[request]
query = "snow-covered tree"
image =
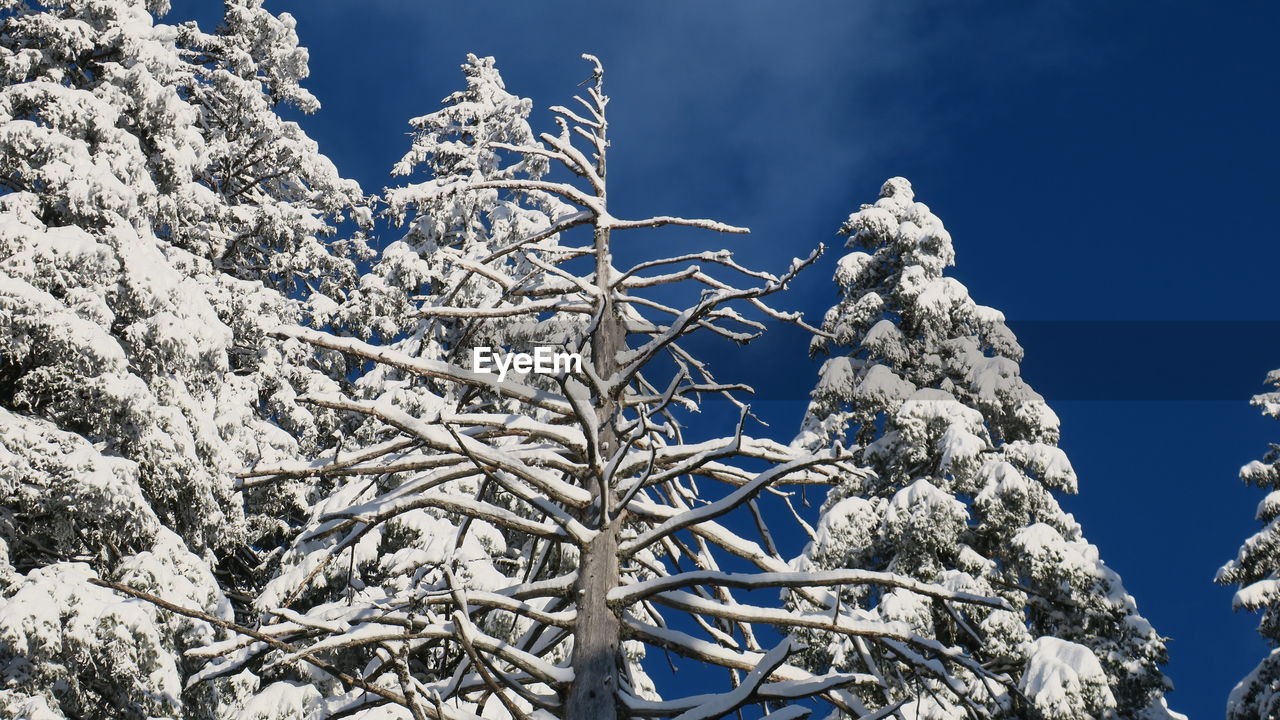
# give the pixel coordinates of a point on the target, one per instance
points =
(451, 236)
(924, 386)
(270, 197)
(265, 210)
(134, 373)
(546, 545)
(69, 648)
(1256, 569)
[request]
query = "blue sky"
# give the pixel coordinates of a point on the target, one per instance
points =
(1094, 161)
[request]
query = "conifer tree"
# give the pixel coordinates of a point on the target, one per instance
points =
(266, 212)
(924, 386)
(527, 558)
(269, 198)
(451, 237)
(1256, 570)
(134, 373)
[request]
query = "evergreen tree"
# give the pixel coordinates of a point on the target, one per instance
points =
(964, 459)
(266, 211)
(1256, 569)
(135, 376)
(451, 236)
(268, 198)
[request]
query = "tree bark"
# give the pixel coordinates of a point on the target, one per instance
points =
(598, 632)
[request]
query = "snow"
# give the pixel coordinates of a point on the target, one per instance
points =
(1065, 681)
(281, 701)
(921, 496)
(1257, 596)
(1253, 570)
(851, 266)
(1048, 463)
(1255, 695)
(27, 708)
(880, 386)
(55, 615)
(139, 375)
(849, 525)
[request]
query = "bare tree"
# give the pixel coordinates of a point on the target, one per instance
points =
(550, 547)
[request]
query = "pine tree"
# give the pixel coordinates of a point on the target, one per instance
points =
(540, 554)
(134, 373)
(925, 385)
(1256, 569)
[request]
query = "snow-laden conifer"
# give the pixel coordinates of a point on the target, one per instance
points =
(550, 549)
(1256, 569)
(265, 210)
(453, 238)
(134, 373)
(267, 196)
(924, 386)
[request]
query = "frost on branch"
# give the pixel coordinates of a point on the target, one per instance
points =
(923, 386)
(541, 546)
(1256, 570)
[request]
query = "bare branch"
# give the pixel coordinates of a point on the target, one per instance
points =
(346, 679)
(653, 222)
(629, 594)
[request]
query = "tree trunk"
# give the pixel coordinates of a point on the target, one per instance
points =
(597, 633)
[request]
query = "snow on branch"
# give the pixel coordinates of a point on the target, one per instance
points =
(629, 594)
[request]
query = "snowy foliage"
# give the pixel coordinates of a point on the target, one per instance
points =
(64, 643)
(454, 238)
(1256, 569)
(266, 197)
(459, 248)
(1064, 680)
(156, 211)
(965, 463)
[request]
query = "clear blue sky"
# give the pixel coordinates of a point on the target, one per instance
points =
(1094, 161)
